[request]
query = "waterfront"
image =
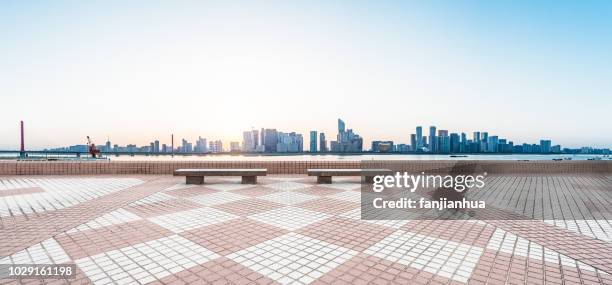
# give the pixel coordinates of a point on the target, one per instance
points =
(310, 157)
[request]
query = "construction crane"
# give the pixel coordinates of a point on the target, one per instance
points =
(93, 150)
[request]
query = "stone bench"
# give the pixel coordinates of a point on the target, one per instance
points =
(196, 176)
(324, 176)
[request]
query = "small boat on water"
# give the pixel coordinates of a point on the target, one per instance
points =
(558, 159)
(455, 155)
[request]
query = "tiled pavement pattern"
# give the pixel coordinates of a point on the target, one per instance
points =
(285, 229)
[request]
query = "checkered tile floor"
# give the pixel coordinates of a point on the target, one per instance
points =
(284, 230)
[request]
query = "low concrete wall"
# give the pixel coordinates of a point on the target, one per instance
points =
(299, 167)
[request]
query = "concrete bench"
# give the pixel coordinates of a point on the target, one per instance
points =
(324, 176)
(196, 176)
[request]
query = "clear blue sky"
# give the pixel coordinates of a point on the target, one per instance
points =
(140, 70)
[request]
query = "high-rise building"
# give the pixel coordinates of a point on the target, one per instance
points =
(545, 146)
(234, 146)
(413, 142)
(432, 139)
(215, 146)
(255, 139)
(476, 137)
(313, 141)
(382, 146)
(419, 138)
(186, 146)
(455, 143)
(156, 146)
(271, 139)
(492, 143)
(443, 142)
(347, 140)
(251, 141)
(290, 142)
(262, 138)
(201, 145)
(151, 147)
(248, 142)
(322, 143)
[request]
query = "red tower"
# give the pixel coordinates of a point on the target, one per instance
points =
(22, 149)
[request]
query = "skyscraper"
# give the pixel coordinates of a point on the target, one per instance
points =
(545, 146)
(419, 138)
(432, 139)
(271, 139)
(234, 146)
(455, 143)
(492, 142)
(413, 142)
(289, 142)
(347, 140)
(443, 142)
(313, 141)
(248, 142)
(322, 143)
(476, 137)
(200, 146)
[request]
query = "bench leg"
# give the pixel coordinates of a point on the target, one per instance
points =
(324, 179)
(195, 180)
(249, 179)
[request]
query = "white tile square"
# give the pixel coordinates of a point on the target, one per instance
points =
(349, 196)
(287, 267)
(47, 252)
(191, 219)
(288, 186)
(347, 186)
(288, 198)
(427, 253)
(228, 186)
(217, 198)
(289, 218)
(151, 199)
(355, 214)
(116, 217)
(164, 257)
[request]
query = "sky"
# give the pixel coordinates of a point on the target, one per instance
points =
(136, 71)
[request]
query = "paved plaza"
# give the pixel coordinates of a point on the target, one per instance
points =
(155, 229)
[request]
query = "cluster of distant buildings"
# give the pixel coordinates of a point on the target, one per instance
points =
(265, 140)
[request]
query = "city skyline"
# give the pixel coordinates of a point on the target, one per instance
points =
(306, 137)
(271, 140)
(140, 70)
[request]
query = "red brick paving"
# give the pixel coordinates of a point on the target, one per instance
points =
(347, 233)
(190, 192)
(366, 269)
(23, 234)
(217, 271)
(256, 191)
(162, 207)
(329, 206)
(463, 231)
(248, 207)
(231, 236)
(94, 241)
